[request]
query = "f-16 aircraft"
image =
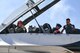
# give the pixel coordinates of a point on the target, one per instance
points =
(14, 39)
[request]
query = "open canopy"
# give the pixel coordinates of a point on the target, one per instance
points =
(22, 11)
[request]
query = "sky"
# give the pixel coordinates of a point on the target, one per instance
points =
(56, 14)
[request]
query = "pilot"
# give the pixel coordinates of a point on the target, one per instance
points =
(20, 27)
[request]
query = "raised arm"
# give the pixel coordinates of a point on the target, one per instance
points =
(62, 30)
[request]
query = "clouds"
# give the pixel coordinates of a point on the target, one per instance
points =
(65, 9)
(60, 12)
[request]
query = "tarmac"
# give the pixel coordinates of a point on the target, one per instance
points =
(34, 49)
